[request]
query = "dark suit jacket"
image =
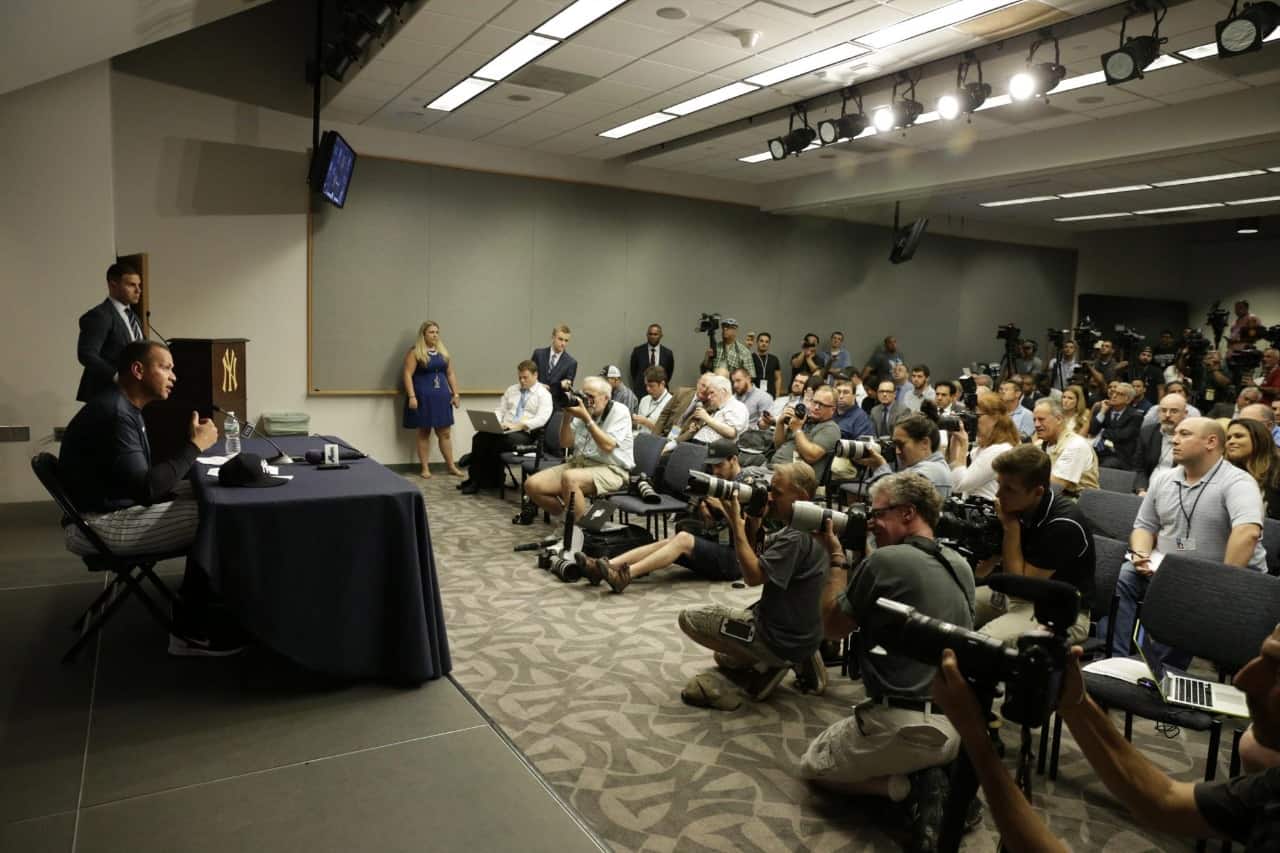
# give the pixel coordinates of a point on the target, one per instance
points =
(640, 363)
(103, 336)
(896, 411)
(1150, 440)
(680, 400)
(1123, 434)
(566, 368)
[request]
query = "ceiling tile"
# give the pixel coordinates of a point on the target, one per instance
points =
(490, 40)
(365, 87)
(474, 10)
(570, 56)
(1125, 109)
(407, 51)
(624, 37)
(579, 107)
(346, 116)
(701, 13)
(1186, 76)
(461, 125)
(1212, 90)
(617, 94)
(653, 75)
(525, 15)
(386, 71)
(430, 27)
(696, 55)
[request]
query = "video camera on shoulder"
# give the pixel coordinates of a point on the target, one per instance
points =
(970, 527)
(752, 496)
(850, 526)
(1032, 673)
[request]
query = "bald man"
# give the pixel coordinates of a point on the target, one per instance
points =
(1265, 415)
(1155, 443)
(1204, 507)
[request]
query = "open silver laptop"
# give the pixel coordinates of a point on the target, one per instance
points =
(1194, 692)
(485, 421)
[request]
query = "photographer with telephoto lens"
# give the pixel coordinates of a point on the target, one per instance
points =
(916, 441)
(808, 432)
(706, 557)
(782, 630)
(1242, 808)
(894, 744)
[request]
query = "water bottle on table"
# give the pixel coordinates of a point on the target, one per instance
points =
(231, 432)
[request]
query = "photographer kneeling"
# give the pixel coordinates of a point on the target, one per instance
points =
(783, 629)
(894, 745)
(706, 557)
(601, 452)
(1242, 808)
(1044, 537)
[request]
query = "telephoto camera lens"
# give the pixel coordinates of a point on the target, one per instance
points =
(809, 517)
(644, 490)
(856, 448)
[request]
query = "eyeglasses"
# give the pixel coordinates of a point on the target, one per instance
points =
(816, 405)
(876, 513)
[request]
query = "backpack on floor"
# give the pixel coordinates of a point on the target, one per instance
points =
(614, 539)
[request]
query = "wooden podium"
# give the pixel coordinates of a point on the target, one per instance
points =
(211, 371)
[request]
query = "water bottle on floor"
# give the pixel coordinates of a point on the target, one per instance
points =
(231, 431)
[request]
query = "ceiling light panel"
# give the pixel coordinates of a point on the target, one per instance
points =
(515, 57)
(1179, 209)
(1260, 200)
(1204, 179)
(805, 64)
(1090, 217)
(577, 16)
(1011, 201)
(644, 123)
(1202, 51)
(710, 99)
(459, 94)
(756, 158)
(946, 16)
(1106, 191)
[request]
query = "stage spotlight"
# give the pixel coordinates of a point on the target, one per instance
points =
(337, 61)
(968, 96)
(1244, 32)
(1134, 54)
(794, 142)
(1040, 78)
(847, 126)
(899, 113)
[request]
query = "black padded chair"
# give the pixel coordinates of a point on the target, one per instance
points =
(687, 456)
(548, 454)
(647, 451)
(1108, 558)
(1271, 542)
(1111, 514)
(1234, 611)
(1116, 480)
(127, 571)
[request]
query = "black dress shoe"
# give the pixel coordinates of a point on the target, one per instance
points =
(463, 484)
(465, 460)
(528, 512)
(470, 488)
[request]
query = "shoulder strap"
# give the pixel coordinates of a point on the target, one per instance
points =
(933, 549)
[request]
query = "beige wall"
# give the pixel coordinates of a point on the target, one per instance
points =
(56, 241)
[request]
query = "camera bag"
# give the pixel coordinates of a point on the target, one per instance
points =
(614, 539)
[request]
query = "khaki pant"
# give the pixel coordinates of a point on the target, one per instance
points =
(702, 624)
(1015, 617)
(879, 741)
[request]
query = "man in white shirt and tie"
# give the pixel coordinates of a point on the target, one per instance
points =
(106, 328)
(525, 407)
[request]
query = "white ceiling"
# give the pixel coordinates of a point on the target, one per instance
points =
(41, 39)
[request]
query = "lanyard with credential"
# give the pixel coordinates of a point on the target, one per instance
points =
(1204, 486)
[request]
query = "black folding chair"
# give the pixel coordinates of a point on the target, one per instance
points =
(1116, 480)
(648, 458)
(1111, 514)
(1234, 609)
(127, 571)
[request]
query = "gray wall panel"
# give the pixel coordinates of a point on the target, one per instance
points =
(499, 260)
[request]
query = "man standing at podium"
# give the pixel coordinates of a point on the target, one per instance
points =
(106, 328)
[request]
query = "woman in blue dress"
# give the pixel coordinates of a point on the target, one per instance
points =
(433, 395)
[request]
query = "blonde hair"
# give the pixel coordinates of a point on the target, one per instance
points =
(420, 346)
(1003, 430)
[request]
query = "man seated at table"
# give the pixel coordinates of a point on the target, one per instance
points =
(524, 407)
(135, 504)
(599, 431)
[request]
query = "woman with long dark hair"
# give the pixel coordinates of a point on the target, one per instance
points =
(1250, 447)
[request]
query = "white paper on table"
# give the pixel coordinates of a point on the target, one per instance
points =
(1128, 670)
(212, 460)
(273, 470)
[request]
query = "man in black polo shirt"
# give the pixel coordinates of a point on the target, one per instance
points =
(136, 504)
(1045, 536)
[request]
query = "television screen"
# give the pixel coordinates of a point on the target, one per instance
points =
(331, 168)
(905, 241)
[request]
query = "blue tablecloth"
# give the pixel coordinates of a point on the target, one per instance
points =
(333, 570)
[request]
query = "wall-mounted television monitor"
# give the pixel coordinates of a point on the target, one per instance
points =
(331, 167)
(906, 239)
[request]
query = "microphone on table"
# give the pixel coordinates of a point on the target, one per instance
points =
(247, 431)
(152, 328)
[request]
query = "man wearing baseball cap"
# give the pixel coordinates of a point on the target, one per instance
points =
(621, 393)
(730, 353)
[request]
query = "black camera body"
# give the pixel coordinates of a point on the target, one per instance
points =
(1008, 332)
(1032, 673)
(1087, 335)
(971, 527)
(953, 423)
(708, 323)
(753, 496)
(1057, 337)
(642, 488)
(1126, 337)
(1196, 342)
(564, 394)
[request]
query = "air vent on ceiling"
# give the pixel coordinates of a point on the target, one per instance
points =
(551, 79)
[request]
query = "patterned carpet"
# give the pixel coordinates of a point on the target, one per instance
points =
(587, 684)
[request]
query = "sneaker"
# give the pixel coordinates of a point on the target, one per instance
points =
(926, 806)
(527, 514)
(203, 647)
(463, 484)
(765, 682)
(469, 487)
(811, 674)
(590, 568)
(618, 577)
